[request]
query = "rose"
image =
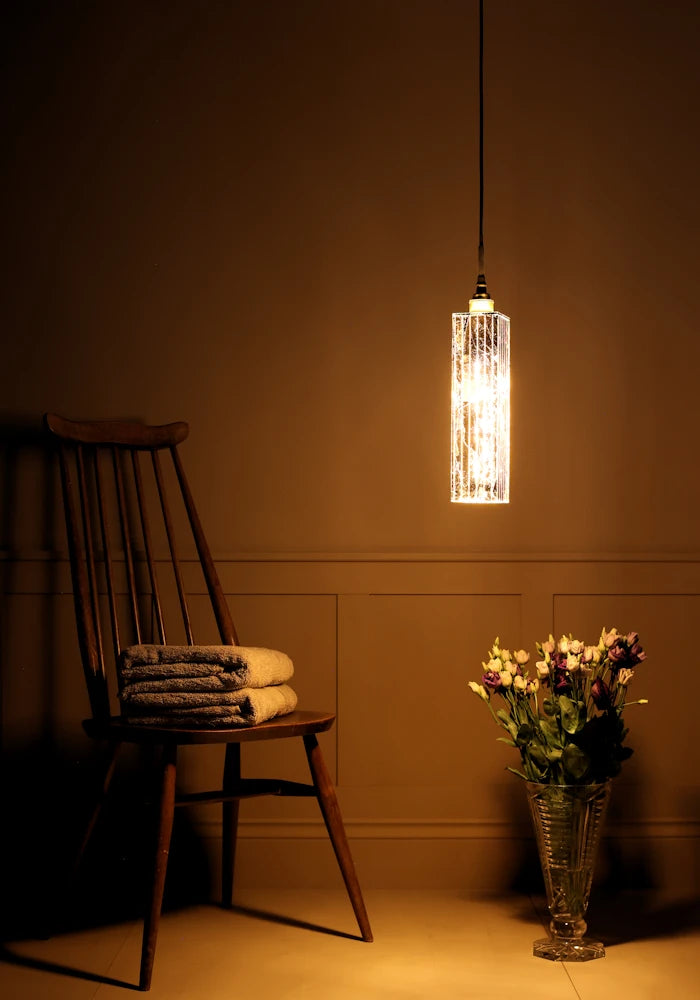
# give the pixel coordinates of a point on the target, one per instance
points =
(542, 669)
(548, 646)
(492, 680)
(562, 683)
(636, 654)
(609, 638)
(617, 654)
(563, 645)
(572, 664)
(591, 654)
(576, 646)
(600, 693)
(559, 661)
(519, 683)
(479, 690)
(522, 657)
(506, 678)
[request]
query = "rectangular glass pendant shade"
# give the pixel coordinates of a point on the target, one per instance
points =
(480, 407)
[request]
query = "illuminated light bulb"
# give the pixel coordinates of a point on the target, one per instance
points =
(480, 465)
(480, 305)
(480, 448)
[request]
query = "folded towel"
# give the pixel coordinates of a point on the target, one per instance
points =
(177, 700)
(251, 707)
(166, 671)
(244, 666)
(213, 682)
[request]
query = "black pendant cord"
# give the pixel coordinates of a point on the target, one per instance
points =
(481, 291)
(481, 136)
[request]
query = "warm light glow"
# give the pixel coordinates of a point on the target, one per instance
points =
(480, 305)
(480, 406)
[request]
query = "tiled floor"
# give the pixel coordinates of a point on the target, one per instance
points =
(429, 945)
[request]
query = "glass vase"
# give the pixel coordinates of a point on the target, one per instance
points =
(568, 820)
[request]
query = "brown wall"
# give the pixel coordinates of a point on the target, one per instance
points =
(259, 217)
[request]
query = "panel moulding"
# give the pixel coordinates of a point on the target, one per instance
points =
(378, 829)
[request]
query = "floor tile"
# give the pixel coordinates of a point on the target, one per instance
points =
(429, 945)
(69, 966)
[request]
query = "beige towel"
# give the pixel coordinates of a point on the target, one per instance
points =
(238, 666)
(250, 707)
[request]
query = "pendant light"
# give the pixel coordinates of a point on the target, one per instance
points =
(480, 465)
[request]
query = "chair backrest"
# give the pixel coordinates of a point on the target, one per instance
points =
(128, 508)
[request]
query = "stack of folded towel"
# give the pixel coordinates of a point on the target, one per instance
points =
(204, 686)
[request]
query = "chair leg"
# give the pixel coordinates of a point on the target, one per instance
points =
(107, 774)
(64, 885)
(160, 863)
(330, 810)
(232, 774)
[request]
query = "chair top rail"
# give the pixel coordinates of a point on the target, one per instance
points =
(119, 433)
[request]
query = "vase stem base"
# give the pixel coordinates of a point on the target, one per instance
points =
(568, 949)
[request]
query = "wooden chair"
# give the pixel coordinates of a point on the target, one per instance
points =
(114, 474)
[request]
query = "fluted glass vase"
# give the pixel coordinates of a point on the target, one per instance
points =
(568, 820)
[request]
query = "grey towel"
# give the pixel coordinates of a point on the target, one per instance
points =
(177, 701)
(243, 666)
(250, 707)
(212, 682)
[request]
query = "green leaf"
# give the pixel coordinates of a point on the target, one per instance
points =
(572, 719)
(502, 739)
(539, 755)
(549, 706)
(575, 761)
(524, 735)
(519, 773)
(507, 722)
(550, 730)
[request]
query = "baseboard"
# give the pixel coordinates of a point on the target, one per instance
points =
(472, 857)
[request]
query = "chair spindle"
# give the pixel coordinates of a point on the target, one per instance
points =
(126, 542)
(222, 614)
(146, 531)
(108, 561)
(100, 677)
(170, 531)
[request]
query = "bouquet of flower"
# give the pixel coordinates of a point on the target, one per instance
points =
(566, 720)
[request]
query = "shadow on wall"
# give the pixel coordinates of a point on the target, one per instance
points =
(50, 771)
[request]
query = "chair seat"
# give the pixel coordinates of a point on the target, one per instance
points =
(298, 723)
